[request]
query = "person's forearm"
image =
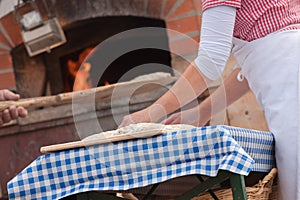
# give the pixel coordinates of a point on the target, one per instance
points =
(214, 49)
(188, 87)
(215, 40)
(230, 91)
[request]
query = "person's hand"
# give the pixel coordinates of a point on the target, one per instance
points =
(134, 118)
(150, 114)
(12, 112)
(191, 116)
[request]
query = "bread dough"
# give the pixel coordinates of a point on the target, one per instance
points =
(139, 128)
(178, 127)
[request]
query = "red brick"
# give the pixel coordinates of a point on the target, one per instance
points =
(4, 41)
(198, 5)
(184, 46)
(154, 8)
(196, 38)
(169, 5)
(5, 61)
(184, 25)
(175, 35)
(12, 29)
(7, 80)
(185, 7)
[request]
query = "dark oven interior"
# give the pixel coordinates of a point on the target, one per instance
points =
(55, 72)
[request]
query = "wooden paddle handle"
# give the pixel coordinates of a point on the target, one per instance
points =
(60, 147)
(31, 102)
(115, 138)
(54, 100)
(59, 99)
(84, 95)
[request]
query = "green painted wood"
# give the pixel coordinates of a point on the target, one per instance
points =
(151, 191)
(237, 182)
(96, 196)
(212, 194)
(238, 187)
(204, 186)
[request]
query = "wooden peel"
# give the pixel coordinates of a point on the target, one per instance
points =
(111, 91)
(36, 102)
(29, 102)
(54, 100)
(116, 138)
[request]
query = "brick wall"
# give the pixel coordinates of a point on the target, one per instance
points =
(182, 16)
(7, 79)
(10, 36)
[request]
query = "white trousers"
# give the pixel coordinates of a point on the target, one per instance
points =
(271, 66)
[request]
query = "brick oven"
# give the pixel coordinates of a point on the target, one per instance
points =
(178, 15)
(175, 27)
(86, 23)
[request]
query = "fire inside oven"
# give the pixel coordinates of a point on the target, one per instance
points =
(93, 32)
(54, 72)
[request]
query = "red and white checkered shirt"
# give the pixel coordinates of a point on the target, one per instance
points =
(257, 18)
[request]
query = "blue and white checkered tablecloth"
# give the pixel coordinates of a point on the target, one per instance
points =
(140, 162)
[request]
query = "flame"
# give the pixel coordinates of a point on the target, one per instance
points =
(83, 80)
(81, 71)
(106, 83)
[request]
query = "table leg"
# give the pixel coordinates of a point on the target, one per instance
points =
(212, 194)
(96, 196)
(149, 193)
(238, 187)
(236, 180)
(202, 187)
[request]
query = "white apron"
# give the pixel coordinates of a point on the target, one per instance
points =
(271, 66)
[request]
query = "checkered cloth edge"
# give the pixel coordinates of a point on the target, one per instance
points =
(260, 145)
(256, 19)
(136, 163)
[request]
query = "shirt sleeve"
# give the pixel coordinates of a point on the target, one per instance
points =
(215, 40)
(212, 3)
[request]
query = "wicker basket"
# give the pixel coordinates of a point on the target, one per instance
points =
(274, 193)
(260, 191)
